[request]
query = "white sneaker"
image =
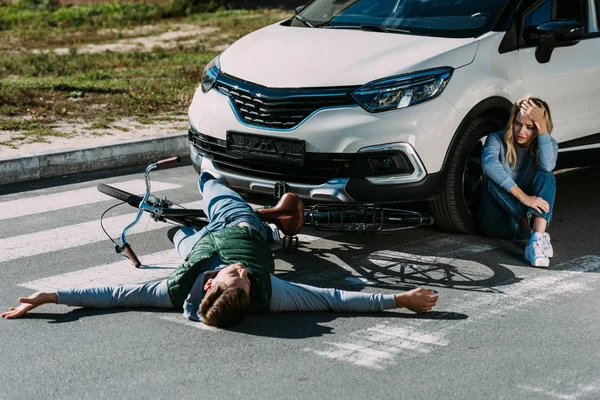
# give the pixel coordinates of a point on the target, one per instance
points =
(275, 230)
(534, 253)
(546, 245)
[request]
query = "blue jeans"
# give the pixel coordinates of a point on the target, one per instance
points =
(224, 208)
(500, 212)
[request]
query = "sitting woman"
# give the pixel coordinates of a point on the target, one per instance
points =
(518, 188)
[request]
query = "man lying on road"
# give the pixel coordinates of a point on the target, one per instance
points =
(227, 273)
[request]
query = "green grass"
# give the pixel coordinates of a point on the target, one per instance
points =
(38, 88)
(49, 14)
(30, 131)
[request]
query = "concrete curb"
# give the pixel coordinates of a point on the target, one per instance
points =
(131, 153)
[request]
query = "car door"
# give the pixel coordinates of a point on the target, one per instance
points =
(570, 81)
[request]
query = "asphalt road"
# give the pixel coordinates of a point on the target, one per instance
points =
(501, 330)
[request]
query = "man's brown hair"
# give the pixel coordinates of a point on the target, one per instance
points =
(224, 307)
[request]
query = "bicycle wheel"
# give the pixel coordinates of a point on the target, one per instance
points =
(184, 216)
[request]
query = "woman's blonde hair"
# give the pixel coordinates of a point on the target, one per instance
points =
(509, 136)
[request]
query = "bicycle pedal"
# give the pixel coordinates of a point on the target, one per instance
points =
(290, 243)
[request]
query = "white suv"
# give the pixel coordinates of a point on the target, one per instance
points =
(387, 101)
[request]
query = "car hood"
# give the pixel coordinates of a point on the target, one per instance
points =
(281, 56)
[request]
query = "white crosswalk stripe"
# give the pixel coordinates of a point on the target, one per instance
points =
(78, 197)
(74, 235)
(155, 266)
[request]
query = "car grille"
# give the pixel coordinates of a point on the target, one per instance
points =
(279, 108)
(318, 167)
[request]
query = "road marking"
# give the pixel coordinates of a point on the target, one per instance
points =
(359, 281)
(75, 235)
(561, 388)
(378, 346)
(156, 266)
(72, 198)
(382, 346)
(582, 264)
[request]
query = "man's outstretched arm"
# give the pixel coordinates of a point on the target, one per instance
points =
(29, 303)
(153, 295)
(290, 296)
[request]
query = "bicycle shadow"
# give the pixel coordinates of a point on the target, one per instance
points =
(396, 263)
(389, 263)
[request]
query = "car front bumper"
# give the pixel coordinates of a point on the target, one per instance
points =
(339, 190)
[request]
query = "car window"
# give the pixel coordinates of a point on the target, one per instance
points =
(538, 15)
(572, 10)
(445, 18)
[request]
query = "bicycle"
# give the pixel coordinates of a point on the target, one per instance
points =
(289, 214)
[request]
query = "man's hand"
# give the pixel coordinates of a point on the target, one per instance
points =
(417, 300)
(537, 203)
(536, 114)
(29, 303)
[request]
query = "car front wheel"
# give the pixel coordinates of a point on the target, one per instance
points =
(457, 207)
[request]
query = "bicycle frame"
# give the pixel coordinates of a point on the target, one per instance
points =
(343, 218)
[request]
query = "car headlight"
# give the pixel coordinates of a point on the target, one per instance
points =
(402, 91)
(209, 75)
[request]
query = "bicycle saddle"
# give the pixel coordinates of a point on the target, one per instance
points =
(287, 214)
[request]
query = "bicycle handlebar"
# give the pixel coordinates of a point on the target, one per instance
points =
(168, 161)
(131, 255)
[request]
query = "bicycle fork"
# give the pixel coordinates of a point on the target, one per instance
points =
(125, 247)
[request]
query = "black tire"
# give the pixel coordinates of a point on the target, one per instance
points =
(131, 199)
(457, 208)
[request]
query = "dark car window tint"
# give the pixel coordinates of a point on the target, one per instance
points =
(571, 9)
(446, 18)
(540, 15)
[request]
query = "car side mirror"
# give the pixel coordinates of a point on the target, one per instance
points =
(299, 9)
(559, 33)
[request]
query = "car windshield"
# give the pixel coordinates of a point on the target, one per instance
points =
(445, 18)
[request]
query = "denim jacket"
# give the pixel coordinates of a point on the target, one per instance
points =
(495, 166)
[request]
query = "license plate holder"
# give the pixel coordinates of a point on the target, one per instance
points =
(273, 149)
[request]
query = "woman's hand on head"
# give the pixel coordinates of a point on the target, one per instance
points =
(417, 300)
(536, 114)
(537, 203)
(29, 303)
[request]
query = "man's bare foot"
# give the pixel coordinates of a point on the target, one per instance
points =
(29, 303)
(417, 300)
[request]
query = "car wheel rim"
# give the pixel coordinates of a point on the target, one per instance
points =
(471, 179)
